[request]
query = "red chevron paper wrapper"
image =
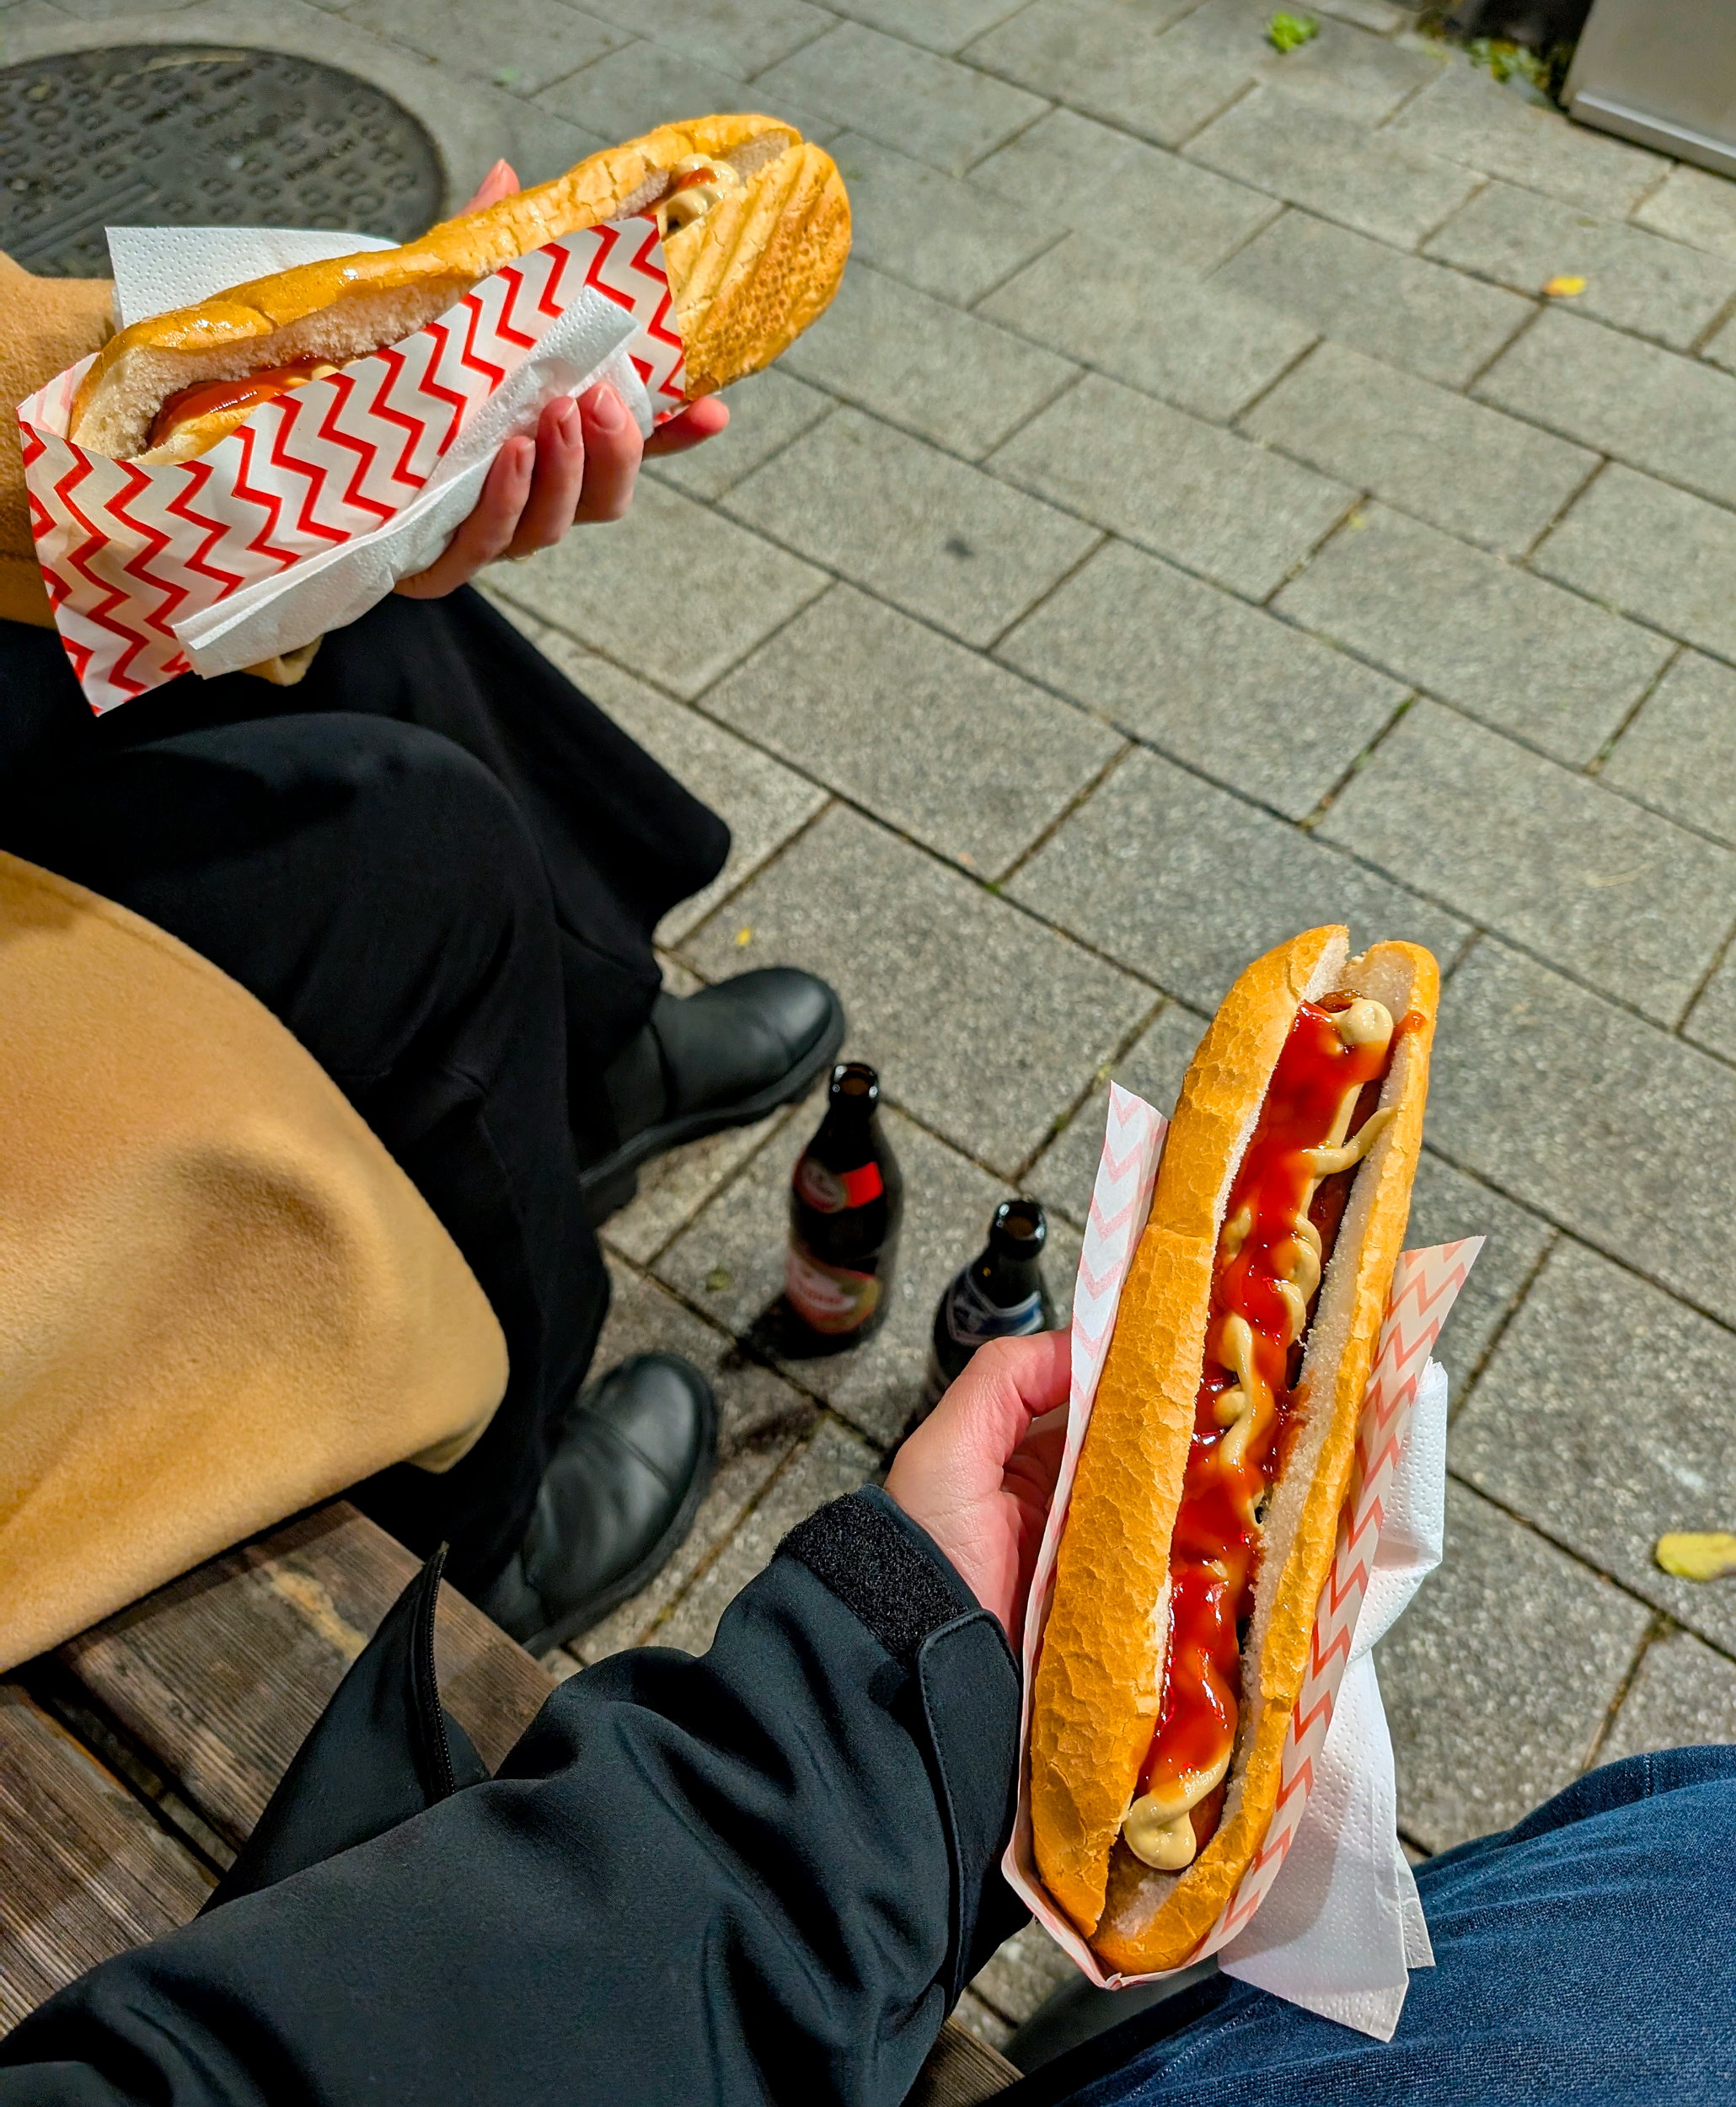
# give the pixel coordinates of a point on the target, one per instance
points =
(310, 512)
(1318, 1954)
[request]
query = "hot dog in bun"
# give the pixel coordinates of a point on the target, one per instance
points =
(756, 228)
(1219, 1453)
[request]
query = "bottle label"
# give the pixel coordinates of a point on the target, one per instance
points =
(832, 1299)
(830, 1191)
(972, 1319)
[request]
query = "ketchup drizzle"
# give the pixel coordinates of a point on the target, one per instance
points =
(1214, 1550)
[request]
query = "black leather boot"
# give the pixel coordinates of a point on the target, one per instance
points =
(722, 1057)
(617, 1500)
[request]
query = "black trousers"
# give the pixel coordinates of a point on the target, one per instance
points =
(440, 865)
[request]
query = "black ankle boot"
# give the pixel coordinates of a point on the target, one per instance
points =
(722, 1057)
(617, 1500)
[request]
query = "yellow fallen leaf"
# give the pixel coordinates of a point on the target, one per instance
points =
(1697, 1554)
(743, 938)
(719, 1279)
(1564, 288)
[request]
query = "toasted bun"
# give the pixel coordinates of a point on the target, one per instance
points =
(1100, 1673)
(747, 277)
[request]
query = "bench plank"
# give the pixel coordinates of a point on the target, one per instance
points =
(960, 2071)
(85, 1871)
(220, 1674)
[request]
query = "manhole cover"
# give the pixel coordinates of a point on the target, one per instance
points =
(196, 135)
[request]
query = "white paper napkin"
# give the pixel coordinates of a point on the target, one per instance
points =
(1343, 1924)
(157, 268)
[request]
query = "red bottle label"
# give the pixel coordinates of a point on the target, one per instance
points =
(832, 1299)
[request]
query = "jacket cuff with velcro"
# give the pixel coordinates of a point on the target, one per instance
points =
(894, 1578)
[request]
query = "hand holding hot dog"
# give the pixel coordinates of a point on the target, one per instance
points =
(979, 1472)
(578, 471)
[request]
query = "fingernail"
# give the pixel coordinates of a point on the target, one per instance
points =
(608, 411)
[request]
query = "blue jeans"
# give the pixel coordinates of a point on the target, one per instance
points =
(1587, 1956)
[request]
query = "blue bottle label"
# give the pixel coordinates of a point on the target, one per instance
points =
(972, 1318)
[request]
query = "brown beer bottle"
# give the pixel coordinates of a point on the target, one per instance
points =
(846, 1202)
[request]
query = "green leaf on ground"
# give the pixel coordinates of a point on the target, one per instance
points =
(1288, 32)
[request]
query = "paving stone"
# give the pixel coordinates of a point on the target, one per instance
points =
(1152, 1068)
(982, 1022)
(1187, 884)
(939, 538)
(1604, 1417)
(1029, 1967)
(760, 1419)
(1214, 501)
(766, 412)
(1694, 206)
(1100, 180)
(1112, 59)
(836, 1461)
(740, 36)
(1682, 1697)
(764, 803)
(1446, 1205)
(943, 25)
(1247, 698)
(918, 361)
(1602, 887)
(1375, 182)
(1636, 279)
(1422, 316)
(1343, 68)
(639, 87)
(868, 700)
(1196, 345)
(1503, 645)
(1589, 1115)
(983, 2021)
(1380, 16)
(610, 588)
(954, 240)
(1651, 409)
(1467, 118)
(1370, 424)
(1679, 752)
(730, 1263)
(522, 45)
(1497, 1677)
(1711, 1022)
(672, 1188)
(925, 106)
(1720, 348)
(1653, 551)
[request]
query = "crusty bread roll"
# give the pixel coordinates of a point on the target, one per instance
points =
(748, 274)
(1101, 1672)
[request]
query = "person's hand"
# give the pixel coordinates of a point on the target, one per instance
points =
(579, 470)
(979, 1472)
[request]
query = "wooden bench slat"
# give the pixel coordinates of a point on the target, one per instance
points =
(220, 1674)
(85, 1871)
(960, 2071)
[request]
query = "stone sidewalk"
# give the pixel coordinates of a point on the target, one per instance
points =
(1191, 523)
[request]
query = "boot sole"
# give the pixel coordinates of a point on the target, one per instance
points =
(599, 1186)
(576, 1622)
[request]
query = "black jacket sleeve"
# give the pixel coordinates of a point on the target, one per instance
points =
(761, 1876)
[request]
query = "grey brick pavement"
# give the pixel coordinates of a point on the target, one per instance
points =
(1055, 627)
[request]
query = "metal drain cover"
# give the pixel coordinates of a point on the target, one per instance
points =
(195, 135)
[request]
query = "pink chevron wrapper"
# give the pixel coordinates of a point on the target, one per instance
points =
(133, 554)
(1424, 1287)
